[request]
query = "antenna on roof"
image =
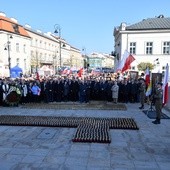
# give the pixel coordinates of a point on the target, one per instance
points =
(161, 16)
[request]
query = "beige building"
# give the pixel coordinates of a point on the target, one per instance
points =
(76, 59)
(44, 52)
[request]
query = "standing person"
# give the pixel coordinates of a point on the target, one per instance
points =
(126, 91)
(142, 90)
(24, 92)
(5, 89)
(82, 91)
(158, 96)
(115, 91)
(1, 93)
(35, 92)
(133, 91)
(65, 90)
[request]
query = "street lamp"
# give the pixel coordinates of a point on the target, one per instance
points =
(57, 30)
(8, 48)
(86, 59)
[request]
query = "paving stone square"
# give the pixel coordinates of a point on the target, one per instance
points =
(51, 148)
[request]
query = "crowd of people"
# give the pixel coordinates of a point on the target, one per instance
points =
(64, 89)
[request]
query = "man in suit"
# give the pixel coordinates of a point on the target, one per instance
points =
(1, 93)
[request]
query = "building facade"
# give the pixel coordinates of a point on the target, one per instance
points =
(147, 41)
(33, 51)
(100, 60)
(43, 51)
(14, 46)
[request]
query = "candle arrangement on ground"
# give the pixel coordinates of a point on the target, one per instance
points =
(98, 105)
(89, 129)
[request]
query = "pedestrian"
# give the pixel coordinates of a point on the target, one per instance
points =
(158, 96)
(115, 91)
(35, 92)
(142, 90)
(1, 92)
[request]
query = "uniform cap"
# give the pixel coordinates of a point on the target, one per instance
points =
(159, 83)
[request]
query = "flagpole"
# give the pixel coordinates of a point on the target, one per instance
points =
(165, 85)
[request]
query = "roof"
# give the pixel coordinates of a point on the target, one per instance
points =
(7, 24)
(151, 24)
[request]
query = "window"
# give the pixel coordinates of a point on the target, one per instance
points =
(17, 47)
(25, 64)
(40, 44)
(17, 61)
(24, 48)
(16, 28)
(45, 57)
(36, 43)
(166, 48)
(132, 48)
(149, 48)
(41, 56)
(31, 42)
(133, 68)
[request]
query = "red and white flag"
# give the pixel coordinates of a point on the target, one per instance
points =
(126, 61)
(165, 85)
(37, 76)
(147, 76)
(65, 71)
(80, 72)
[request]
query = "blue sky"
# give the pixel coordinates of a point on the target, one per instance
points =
(85, 24)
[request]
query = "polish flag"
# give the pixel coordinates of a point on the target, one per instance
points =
(165, 85)
(147, 77)
(149, 89)
(126, 61)
(37, 76)
(80, 72)
(65, 71)
(69, 71)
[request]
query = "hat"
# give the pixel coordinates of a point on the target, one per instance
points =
(159, 83)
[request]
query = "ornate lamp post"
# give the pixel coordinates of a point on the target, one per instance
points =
(86, 64)
(8, 48)
(58, 31)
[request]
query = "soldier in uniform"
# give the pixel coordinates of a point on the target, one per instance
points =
(158, 96)
(142, 89)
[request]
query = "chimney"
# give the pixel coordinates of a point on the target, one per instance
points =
(14, 20)
(2, 14)
(123, 26)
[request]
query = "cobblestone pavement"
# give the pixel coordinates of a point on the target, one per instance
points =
(51, 148)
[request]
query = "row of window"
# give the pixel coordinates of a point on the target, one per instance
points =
(45, 45)
(18, 47)
(149, 48)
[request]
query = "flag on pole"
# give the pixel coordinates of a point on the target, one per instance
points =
(147, 77)
(80, 72)
(126, 61)
(37, 76)
(149, 89)
(165, 85)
